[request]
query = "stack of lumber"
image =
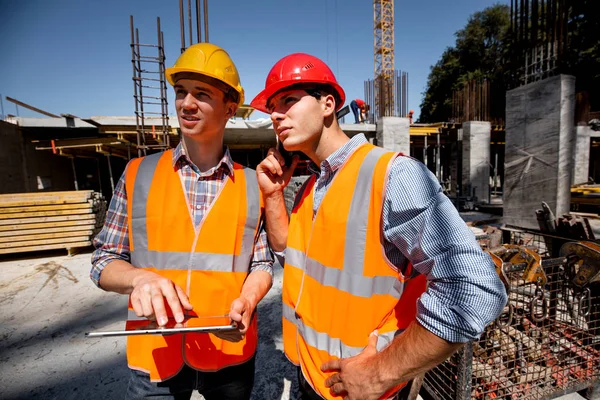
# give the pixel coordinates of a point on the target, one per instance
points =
(50, 220)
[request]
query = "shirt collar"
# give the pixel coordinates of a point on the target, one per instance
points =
(179, 155)
(338, 157)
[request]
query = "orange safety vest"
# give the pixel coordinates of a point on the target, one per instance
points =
(338, 285)
(210, 262)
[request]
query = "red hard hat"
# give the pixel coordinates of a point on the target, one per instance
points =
(294, 69)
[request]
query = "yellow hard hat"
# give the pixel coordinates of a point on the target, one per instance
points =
(210, 60)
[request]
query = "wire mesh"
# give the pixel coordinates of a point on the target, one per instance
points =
(545, 344)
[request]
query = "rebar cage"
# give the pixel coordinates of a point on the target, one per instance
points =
(545, 344)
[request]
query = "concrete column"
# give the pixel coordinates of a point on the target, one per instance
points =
(581, 155)
(540, 138)
(393, 133)
(476, 159)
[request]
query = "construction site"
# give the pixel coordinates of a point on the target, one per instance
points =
(525, 180)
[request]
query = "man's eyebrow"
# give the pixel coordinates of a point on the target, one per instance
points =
(204, 89)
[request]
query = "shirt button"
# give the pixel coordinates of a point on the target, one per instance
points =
(198, 207)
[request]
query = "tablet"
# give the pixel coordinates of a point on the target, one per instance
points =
(150, 327)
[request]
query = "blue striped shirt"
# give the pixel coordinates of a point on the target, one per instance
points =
(422, 226)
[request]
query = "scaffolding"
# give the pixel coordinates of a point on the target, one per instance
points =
(149, 93)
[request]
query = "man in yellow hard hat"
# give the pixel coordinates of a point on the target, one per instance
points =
(183, 238)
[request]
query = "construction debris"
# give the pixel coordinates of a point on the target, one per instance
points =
(547, 341)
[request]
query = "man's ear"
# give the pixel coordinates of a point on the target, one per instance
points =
(231, 109)
(328, 105)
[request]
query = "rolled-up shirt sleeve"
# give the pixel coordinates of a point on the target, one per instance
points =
(262, 259)
(464, 294)
(112, 242)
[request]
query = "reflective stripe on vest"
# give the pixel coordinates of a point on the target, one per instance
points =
(333, 346)
(358, 285)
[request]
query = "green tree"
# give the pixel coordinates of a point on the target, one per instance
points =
(583, 57)
(478, 53)
(482, 51)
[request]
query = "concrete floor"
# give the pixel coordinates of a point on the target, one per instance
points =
(47, 303)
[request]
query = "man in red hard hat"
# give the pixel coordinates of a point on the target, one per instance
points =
(382, 279)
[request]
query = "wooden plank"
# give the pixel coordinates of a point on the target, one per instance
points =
(59, 193)
(36, 200)
(51, 224)
(31, 199)
(45, 247)
(40, 202)
(34, 243)
(12, 216)
(43, 219)
(7, 210)
(71, 228)
(39, 237)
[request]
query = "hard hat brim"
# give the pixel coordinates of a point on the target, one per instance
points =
(260, 101)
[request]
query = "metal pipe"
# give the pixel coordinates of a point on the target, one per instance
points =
(136, 81)
(198, 31)
(437, 158)
(206, 21)
(425, 150)
(110, 174)
(142, 138)
(74, 173)
(181, 26)
(190, 21)
(100, 173)
(495, 173)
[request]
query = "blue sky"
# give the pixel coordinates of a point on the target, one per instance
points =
(73, 56)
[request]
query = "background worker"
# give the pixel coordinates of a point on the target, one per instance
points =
(172, 242)
(358, 109)
(382, 279)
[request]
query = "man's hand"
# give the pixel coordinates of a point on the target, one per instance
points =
(150, 291)
(241, 314)
(272, 173)
(356, 377)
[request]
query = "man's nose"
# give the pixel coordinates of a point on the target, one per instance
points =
(188, 102)
(277, 116)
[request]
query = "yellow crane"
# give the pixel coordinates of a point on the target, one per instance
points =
(383, 24)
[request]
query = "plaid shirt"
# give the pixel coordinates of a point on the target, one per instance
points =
(422, 226)
(112, 243)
